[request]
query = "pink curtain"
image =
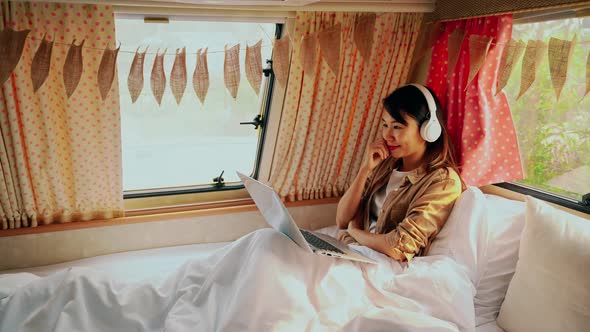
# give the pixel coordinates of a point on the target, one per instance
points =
(480, 123)
(60, 155)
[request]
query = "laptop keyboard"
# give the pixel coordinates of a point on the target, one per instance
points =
(319, 243)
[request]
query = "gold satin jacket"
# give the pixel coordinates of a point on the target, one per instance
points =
(413, 214)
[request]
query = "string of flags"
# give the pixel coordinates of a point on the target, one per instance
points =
(13, 44)
(324, 43)
(559, 54)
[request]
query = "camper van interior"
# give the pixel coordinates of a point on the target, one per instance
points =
(446, 141)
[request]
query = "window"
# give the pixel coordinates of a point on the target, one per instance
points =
(554, 135)
(174, 146)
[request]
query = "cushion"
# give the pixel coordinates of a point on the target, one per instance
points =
(505, 223)
(464, 235)
(550, 290)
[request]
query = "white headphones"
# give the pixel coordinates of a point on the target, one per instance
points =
(430, 129)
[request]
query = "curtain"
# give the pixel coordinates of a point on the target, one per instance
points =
(480, 123)
(60, 156)
(333, 103)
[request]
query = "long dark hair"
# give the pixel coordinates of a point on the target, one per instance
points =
(409, 100)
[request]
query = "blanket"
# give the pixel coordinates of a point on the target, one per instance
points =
(260, 282)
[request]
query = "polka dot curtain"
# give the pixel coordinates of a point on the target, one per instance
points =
(330, 117)
(480, 123)
(60, 157)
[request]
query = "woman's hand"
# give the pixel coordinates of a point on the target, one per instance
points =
(352, 229)
(376, 153)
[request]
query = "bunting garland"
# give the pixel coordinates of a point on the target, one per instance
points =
(135, 78)
(330, 47)
(324, 43)
(455, 41)
(41, 63)
(158, 78)
(559, 53)
(178, 75)
(11, 48)
(201, 76)
(532, 58)
(281, 58)
(363, 34)
(309, 53)
(106, 71)
(512, 52)
(73, 68)
(478, 50)
(231, 70)
(254, 66)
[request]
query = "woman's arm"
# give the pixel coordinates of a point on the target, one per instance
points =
(349, 203)
(376, 242)
(424, 218)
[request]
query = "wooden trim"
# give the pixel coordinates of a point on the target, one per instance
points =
(160, 214)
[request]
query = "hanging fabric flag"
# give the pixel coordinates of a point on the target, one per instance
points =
(201, 76)
(158, 79)
(41, 64)
(106, 71)
(11, 49)
(178, 77)
(560, 53)
(281, 58)
(454, 47)
(432, 31)
(308, 55)
(73, 68)
(531, 61)
(364, 28)
(231, 69)
(587, 75)
(510, 56)
(478, 50)
(135, 78)
(254, 66)
(330, 47)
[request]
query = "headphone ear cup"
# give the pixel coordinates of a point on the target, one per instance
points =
(430, 130)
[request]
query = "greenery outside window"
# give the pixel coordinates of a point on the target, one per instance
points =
(554, 135)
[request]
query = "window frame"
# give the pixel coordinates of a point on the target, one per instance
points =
(233, 193)
(584, 204)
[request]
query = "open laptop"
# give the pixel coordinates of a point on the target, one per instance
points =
(277, 216)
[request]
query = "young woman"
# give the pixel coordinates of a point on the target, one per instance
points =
(408, 182)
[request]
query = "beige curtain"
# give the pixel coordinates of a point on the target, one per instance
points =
(329, 118)
(60, 157)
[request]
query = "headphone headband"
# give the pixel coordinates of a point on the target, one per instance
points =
(429, 99)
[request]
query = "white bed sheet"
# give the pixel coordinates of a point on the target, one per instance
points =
(489, 327)
(132, 266)
(164, 288)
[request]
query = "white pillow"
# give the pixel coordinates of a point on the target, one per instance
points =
(550, 290)
(505, 224)
(464, 235)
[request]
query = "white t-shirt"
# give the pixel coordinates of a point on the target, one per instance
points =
(395, 181)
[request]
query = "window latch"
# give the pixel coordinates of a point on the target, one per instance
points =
(586, 200)
(219, 181)
(257, 122)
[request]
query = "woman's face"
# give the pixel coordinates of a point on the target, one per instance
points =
(403, 141)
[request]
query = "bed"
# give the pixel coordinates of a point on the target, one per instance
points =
(460, 286)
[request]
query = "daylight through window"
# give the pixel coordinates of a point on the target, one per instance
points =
(190, 143)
